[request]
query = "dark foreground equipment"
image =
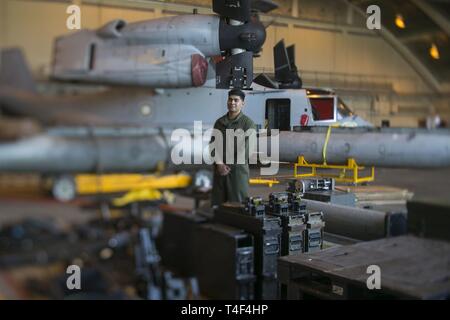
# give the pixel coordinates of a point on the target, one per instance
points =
(177, 245)
(429, 219)
(224, 262)
(291, 210)
(357, 223)
(348, 272)
(266, 231)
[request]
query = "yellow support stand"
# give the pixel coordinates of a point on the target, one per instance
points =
(269, 182)
(137, 187)
(111, 183)
(143, 195)
(351, 167)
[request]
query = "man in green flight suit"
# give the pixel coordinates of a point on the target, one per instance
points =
(231, 179)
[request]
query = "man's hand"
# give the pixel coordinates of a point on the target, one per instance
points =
(223, 169)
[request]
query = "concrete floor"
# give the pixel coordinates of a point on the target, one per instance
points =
(426, 184)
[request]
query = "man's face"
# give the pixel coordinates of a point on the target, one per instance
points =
(235, 104)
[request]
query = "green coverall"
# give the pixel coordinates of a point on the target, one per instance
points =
(234, 186)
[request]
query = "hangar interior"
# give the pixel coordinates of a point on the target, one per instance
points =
(383, 75)
(395, 78)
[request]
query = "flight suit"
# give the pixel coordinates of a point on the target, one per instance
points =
(234, 186)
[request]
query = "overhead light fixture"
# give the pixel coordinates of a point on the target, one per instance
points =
(434, 51)
(399, 22)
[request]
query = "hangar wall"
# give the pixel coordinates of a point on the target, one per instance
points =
(373, 79)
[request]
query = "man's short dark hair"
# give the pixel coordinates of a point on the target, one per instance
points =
(237, 92)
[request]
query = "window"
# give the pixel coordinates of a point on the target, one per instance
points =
(278, 114)
(343, 110)
(322, 108)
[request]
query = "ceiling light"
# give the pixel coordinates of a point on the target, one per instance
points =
(434, 51)
(399, 22)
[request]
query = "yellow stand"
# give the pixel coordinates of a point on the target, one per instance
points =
(144, 195)
(351, 167)
(342, 176)
(111, 183)
(137, 187)
(269, 182)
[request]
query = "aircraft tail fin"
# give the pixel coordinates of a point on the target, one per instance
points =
(285, 69)
(14, 71)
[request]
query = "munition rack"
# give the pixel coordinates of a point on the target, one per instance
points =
(348, 173)
(351, 167)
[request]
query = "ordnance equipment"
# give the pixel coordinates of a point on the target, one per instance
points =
(296, 205)
(314, 231)
(265, 230)
(278, 203)
(224, 262)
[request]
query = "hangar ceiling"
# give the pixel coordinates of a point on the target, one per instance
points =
(418, 29)
(422, 27)
(422, 37)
